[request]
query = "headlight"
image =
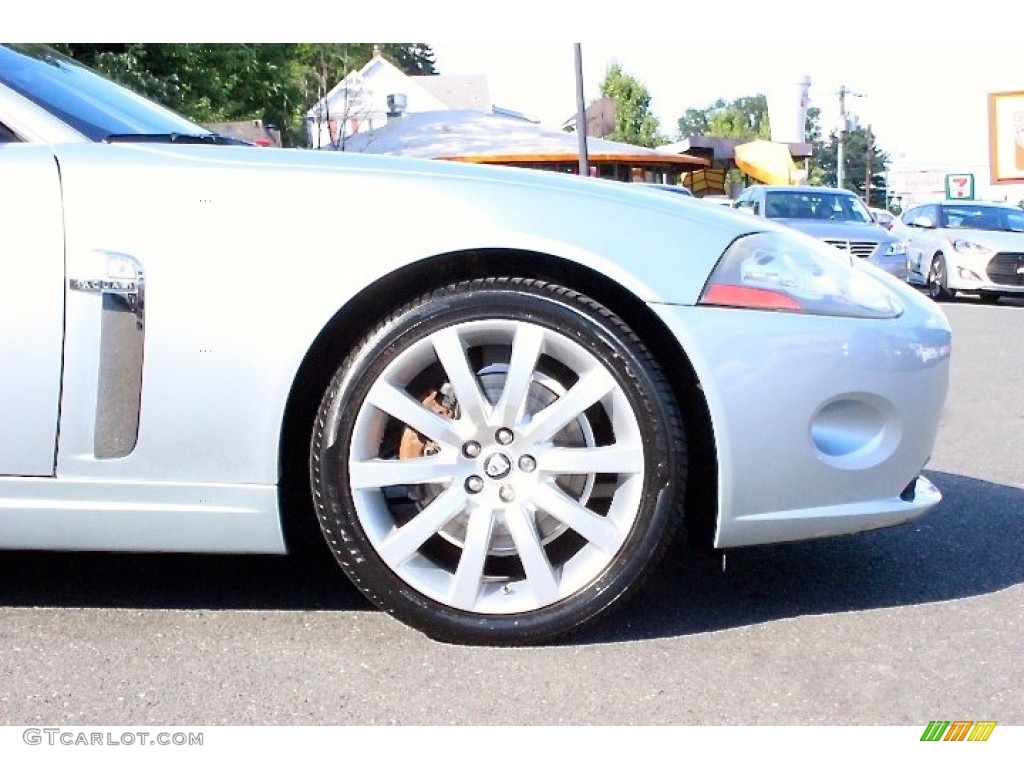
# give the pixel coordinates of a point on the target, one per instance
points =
(770, 270)
(971, 249)
(897, 248)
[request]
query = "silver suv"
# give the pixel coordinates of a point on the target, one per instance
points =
(836, 216)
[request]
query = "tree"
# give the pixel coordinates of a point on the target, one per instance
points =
(855, 164)
(742, 118)
(812, 132)
(634, 123)
(697, 122)
(213, 82)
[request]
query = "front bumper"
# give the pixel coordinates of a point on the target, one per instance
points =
(820, 423)
(895, 265)
(996, 274)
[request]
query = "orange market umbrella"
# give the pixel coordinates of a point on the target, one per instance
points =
(766, 161)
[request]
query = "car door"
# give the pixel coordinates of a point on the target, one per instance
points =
(919, 239)
(31, 306)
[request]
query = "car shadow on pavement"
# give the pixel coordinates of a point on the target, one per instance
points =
(310, 580)
(970, 298)
(969, 545)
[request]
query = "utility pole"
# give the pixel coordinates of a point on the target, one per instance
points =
(867, 172)
(843, 93)
(581, 114)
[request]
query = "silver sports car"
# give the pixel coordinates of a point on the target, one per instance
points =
(505, 390)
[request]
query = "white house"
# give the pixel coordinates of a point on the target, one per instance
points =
(360, 102)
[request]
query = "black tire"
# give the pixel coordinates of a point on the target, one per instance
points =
(937, 280)
(563, 520)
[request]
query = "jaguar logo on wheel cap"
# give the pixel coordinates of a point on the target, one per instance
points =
(497, 466)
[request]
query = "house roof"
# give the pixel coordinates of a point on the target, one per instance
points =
(480, 137)
(369, 87)
(457, 91)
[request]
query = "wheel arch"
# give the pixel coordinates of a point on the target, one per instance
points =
(362, 312)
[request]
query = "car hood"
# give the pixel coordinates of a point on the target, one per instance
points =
(997, 241)
(400, 210)
(440, 171)
(845, 230)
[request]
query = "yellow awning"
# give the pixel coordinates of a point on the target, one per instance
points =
(767, 162)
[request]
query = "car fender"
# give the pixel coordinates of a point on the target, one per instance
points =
(249, 253)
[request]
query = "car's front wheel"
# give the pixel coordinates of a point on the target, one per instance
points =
(499, 461)
(937, 281)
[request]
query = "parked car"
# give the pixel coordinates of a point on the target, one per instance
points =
(882, 217)
(717, 199)
(836, 216)
(966, 246)
(676, 188)
(503, 390)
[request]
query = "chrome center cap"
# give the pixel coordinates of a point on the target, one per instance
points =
(497, 466)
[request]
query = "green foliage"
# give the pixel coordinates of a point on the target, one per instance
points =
(855, 164)
(214, 82)
(697, 122)
(634, 123)
(743, 118)
(815, 171)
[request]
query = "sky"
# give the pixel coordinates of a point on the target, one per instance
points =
(925, 70)
(926, 110)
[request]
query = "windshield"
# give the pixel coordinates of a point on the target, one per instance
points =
(988, 217)
(85, 100)
(814, 204)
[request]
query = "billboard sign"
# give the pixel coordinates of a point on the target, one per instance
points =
(917, 183)
(1006, 137)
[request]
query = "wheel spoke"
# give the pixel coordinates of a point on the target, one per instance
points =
(380, 473)
(540, 576)
(469, 575)
(585, 461)
(599, 531)
(402, 543)
(452, 355)
(526, 349)
(396, 402)
(591, 387)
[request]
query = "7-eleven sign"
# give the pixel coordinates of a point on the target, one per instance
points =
(959, 186)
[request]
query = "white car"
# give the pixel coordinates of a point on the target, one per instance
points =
(975, 247)
(497, 393)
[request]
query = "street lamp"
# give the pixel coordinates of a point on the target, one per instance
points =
(843, 93)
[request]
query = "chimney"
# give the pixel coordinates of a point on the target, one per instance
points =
(397, 102)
